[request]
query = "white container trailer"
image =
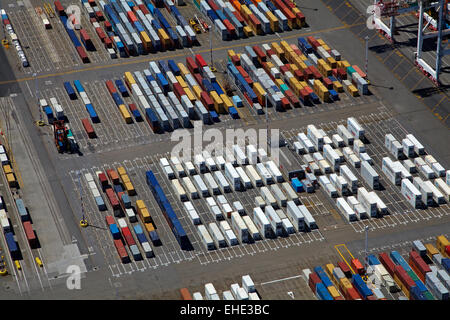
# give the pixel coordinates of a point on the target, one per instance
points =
(239, 208)
(206, 237)
(425, 191)
(388, 139)
(222, 182)
(381, 206)
(212, 185)
(259, 202)
(163, 162)
(427, 171)
(324, 166)
(408, 147)
(358, 147)
(365, 157)
(368, 202)
(262, 155)
(307, 144)
(396, 149)
(240, 155)
(410, 192)
(247, 284)
(409, 165)
(418, 147)
(262, 223)
(217, 235)
(295, 216)
(227, 295)
(233, 176)
(331, 156)
(437, 195)
(348, 175)
(193, 193)
(443, 187)
(275, 220)
(339, 183)
(220, 162)
(239, 227)
(201, 186)
(246, 182)
(279, 195)
(192, 213)
(403, 171)
(216, 212)
(254, 176)
(273, 169)
(290, 192)
(179, 190)
(252, 230)
(264, 173)
(355, 128)
(197, 296)
(346, 210)
(314, 135)
(370, 175)
(211, 165)
(345, 135)
(310, 222)
(169, 172)
(252, 154)
(200, 163)
(317, 156)
(392, 172)
(299, 147)
(338, 142)
(210, 290)
(268, 197)
(190, 168)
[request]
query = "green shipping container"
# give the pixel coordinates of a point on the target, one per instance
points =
(428, 295)
(350, 70)
(284, 88)
(413, 275)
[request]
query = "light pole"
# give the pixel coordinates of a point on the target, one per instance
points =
(267, 124)
(367, 54)
(83, 222)
(366, 229)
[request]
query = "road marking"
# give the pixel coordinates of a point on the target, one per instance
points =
(279, 280)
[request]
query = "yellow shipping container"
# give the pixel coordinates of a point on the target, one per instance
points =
(441, 243)
(184, 71)
(245, 11)
(345, 283)
(226, 101)
(273, 21)
(129, 79)
(293, 67)
(353, 91)
(125, 114)
(279, 82)
(322, 43)
(146, 42)
(329, 268)
(144, 214)
(125, 178)
(326, 48)
(130, 189)
(248, 31)
(149, 227)
(181, 82)
(231, 53)
(431, 250)
(218, 103)
(7, 169)
(11, 179)
(278, 51)
(343, 64)
(333, 292)
(337, 86)
(140, 204)
(332, 62)
(121, 171)
(198, 91)
(190, 95)
(285, 46)
(402, 286)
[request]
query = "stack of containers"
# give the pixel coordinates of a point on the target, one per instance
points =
(95, 192)
(143, 241)
(129, 239)
(121, 251)
(118, 101)
(90, 109)
(169, 214)
(63, 17)
(15, 41)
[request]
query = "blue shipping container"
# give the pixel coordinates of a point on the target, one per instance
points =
(94, 117)
(12, 245)
(78, 86)
(322, 292)
(122, 89)
(70, 91)
(361, 286)
(114, 231)
(297, 185)
(373, 260)
(24, 216)
(323, 276)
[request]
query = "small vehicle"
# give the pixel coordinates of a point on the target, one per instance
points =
(38, 262)
(17, 263)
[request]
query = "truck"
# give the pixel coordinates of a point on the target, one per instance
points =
(346, 210)
(246, 182)
(338, 142)
(280, 197)
(370, 175)
(418, 147)
(348, 175)
(213, 188)
(179, 190)
(254, 176)
(295, 216)
(274, 171)
(274, 220)
(206, 237)
(268, 197)
(190, 168)
(218, 237)
(368, 202)
(381, 206)
(201, 186)
(290, 192)
(223, 183)
(264, 173)
(233, 176)
(193, 193)
(252, 229)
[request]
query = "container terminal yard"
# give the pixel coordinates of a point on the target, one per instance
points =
(119, 180)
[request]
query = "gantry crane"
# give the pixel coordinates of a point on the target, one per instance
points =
(60, 133)
(393, 8)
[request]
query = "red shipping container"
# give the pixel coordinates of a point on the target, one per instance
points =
(103, 179)
(404, 277)
(288, 3)
(82, 54)
(100, 33)
(84, 35)
(357, 69)
(113, 176)
(191, 65)
(339, 298)
(299, 75)
(92, 20)
(328, 83)
(128, 236)
(313, 281)
(112, 198)
(309, 89)
(242, 71)
(270, 52)
(447, 250)
(110, 220)
(249, 81)
(371, 297)
(304, 94)
(100, 16)
(416, 261)
(144, 9)
(29, 232)
(132, 107)
(239, 17)
(178, 90)
(131, 16)
(88, 128)
(206, 100)
(253, 20)
(307, 73)
(200, 61)
(6, 22)
(110, 86)
(59, 8)
(213, 5)
(352, 294)
(108, 42)
(123, 255)
(92, 3)
(345, 269)
(107, 25)
(260, 53)
(387, 262)
(284, 103)
(231, 29)
(235, 60)
(284, 69)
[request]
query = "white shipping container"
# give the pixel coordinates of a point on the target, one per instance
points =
(355, 128)
(222, 182)
(190, 168)
(247, 284)
(197, 296)
(368, 202)
(381, 206)
(268, 197)
(252, 229)
(346, 210)
(264, 173)
(247, 183)
(262, 154)
(217, 235)
(418, 147)
(273, 169)
(408, 147)
(275, 220)
(212, 185)
(193, 193)
(201, 186)
(254, 176)
(206, 238)
(437, 195)
(348, 175)
(239, 227)
(345, 135)
(443, 187)
(252, 154)
(370, 175)
(295, 216)
(233, 176)
(220, 162)
(262, 223)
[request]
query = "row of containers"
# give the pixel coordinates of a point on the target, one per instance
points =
(424, 277)
(14, 39)
(129, 28)
(238, 19)
(119, 192)
(245, 291)
(25, 217)
(287, 76)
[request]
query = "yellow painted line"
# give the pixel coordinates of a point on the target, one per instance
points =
(385, 59)
(437, 104)
(181, 54)
(403, 78)
(400, 62)
(345, 260)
